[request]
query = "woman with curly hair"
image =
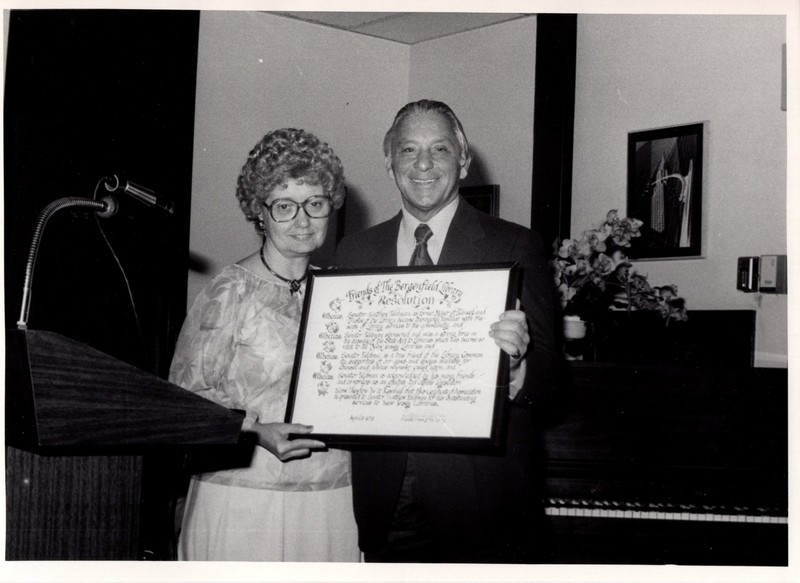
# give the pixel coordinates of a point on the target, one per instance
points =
(293, 502)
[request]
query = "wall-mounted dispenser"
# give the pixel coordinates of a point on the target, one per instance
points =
(747, 274)
(772, 274)
(765, 274)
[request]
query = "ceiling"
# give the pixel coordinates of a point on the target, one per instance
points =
(404, 27)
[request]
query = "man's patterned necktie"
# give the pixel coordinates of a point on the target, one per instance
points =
(421, 256)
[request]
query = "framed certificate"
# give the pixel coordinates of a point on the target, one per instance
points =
(402, 357)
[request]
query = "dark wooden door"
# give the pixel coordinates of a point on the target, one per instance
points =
(92, 93)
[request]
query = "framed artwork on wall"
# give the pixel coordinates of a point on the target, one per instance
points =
(485, 197)
(665, 190)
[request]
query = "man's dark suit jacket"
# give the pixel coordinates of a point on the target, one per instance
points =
(484, 508)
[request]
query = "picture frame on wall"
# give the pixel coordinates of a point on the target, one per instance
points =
(484, 197)
(665, 190)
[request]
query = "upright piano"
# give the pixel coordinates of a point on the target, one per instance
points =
(670, 464)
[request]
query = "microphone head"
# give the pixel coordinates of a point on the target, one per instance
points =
(166, 206)
(140, 193)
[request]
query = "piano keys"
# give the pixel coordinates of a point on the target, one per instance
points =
(668, 464)
(635, 511)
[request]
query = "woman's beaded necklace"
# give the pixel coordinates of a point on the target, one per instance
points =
(294, 284)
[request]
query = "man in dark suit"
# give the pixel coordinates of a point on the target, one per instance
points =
(448, 507)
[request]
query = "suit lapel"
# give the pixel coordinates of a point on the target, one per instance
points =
(462, 244)
(384, 253)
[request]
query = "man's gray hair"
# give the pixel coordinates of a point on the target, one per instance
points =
(423, 106)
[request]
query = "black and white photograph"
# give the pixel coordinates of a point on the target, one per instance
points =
(391, 293)
(665, 186)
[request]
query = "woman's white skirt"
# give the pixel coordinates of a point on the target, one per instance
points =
(230, 523)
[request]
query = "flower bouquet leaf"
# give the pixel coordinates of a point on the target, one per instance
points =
(594, 274)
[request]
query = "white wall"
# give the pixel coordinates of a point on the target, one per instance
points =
(637, 72)
(487, 77)
(258, 72)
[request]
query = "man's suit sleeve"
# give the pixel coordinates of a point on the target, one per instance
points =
(539, 390)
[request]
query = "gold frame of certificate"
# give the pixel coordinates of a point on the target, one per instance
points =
(402, 358)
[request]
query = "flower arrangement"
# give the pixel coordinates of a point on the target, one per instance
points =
(593, 274)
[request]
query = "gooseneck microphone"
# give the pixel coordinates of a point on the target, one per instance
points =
(140, 193)
(104, 208)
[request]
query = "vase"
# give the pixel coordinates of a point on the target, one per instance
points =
(574, 332)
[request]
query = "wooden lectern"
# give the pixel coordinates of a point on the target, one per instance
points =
(77, 425)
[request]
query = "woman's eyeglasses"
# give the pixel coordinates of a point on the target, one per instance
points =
(283, 210)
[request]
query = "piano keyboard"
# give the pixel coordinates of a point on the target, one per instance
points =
(632, 510)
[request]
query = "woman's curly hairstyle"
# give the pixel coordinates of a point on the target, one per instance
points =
(283, 155)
